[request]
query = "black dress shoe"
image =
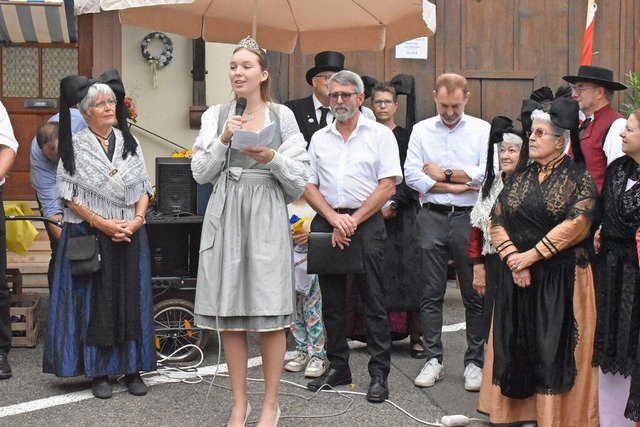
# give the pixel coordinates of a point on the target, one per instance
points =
(101, 387)
(418, 354)
(378, 389)
(333, 377)
(135, 385)
(5, 368)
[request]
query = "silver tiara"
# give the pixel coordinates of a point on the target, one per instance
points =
(251, 44)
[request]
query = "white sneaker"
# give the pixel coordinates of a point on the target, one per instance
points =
(298, 363)
(472, 377)
(430, 373)
(315, 368)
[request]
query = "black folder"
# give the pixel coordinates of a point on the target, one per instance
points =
(323, 258)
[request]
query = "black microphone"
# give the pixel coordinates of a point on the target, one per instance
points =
(241, 105)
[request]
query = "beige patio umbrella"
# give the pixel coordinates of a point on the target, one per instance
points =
(314, 25)
(81, 7)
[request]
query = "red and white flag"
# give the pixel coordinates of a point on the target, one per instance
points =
(587, 40)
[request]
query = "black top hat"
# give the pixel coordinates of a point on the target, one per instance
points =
(328, 60)
(598, 75)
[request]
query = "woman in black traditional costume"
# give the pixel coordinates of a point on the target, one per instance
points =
(101, 324)
(513, 156)
(538, 367)
(618, 278)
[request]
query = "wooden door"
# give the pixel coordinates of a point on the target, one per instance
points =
(32, 72)
(33, 85)
(505, 48)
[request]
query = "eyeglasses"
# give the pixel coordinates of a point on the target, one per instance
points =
(103, 104)
(326, 77)
(580, 88)
(346, 96)
(539, 133)
(380, 102)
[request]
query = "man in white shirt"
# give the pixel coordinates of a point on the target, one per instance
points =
(445, 162)
(355, 167)
(8, 150)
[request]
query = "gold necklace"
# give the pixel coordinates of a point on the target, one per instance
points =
(250, 114)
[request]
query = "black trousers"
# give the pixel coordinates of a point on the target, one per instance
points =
(333, 288)
(5, 300)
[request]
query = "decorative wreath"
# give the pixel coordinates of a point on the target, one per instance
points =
(165, 57)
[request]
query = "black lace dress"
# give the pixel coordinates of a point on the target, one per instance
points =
(618, 280)
(541, 343)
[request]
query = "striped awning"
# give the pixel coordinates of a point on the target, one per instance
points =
(37, 21)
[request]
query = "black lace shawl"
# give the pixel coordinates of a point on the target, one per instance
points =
(618, 280)
(540, 318)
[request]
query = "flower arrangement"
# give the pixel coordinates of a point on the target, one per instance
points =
(130, 106)
(186, 153)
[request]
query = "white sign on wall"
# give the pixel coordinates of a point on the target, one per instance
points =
(413, 49)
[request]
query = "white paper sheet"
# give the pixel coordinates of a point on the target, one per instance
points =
(244, 139)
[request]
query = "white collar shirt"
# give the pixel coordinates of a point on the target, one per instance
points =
(348, 172)
(317, 105)
(462, 148)
(6, 133)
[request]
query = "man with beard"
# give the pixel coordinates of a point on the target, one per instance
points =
(355, 167)
(446, 162)
(600, 140)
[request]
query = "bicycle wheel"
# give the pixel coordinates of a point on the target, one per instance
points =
(174, 326)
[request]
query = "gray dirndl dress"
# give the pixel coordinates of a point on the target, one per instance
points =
(245, 272)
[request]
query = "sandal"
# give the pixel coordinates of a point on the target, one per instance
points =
(418, 354)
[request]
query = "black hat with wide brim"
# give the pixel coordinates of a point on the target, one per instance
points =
(328, 60)
(598, 75)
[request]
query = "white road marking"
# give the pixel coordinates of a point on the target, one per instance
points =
(64, 399)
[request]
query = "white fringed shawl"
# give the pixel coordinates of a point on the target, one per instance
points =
(481, 213)
(110, 189)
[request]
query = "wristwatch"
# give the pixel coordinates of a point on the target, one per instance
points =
(447, 175)
(393, 205)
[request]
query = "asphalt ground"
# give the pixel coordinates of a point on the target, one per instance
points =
(178, 398)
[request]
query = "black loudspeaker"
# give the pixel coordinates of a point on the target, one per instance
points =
(175, 186)
(204, 193)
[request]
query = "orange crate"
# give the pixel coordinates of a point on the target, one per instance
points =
(24, 321)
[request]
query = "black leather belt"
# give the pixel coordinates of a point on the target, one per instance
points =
(446, 208)
(348, 211)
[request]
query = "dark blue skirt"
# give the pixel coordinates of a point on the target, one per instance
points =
(65, 353)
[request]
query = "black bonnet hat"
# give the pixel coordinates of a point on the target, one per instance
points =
(73, 89)
(499, 126)
(598, 75)
(328, 60)
(540, 99)
(563, 113)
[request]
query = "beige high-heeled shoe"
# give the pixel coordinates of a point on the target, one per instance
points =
(277, 417)
(246, 415)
